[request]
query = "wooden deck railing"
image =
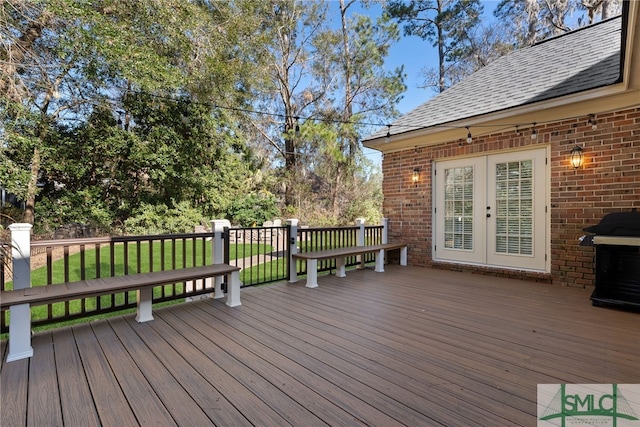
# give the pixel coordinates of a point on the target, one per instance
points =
(263, 253)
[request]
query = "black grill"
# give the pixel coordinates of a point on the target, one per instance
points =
(617, 270)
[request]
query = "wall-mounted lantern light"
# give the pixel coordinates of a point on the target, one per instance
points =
(415, 176)
(576, 158)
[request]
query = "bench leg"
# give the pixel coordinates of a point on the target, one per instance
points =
(20, 333)
(380, 261)
(403, 256)
(340, 267)
(233, 292)
(217, 292)
(312, 273)
(145, 300)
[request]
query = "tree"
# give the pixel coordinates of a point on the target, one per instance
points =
(58, 58)
(328, 81)
(61, 58)
(529, 21)
(447, 24)
(362, 91)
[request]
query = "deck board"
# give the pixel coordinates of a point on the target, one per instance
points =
(178, 365)
(411, 346)
(44, 394)
(100, 367)
(76, 403)
(211, 365)
(183, 408)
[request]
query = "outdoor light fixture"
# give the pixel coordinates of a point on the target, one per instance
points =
(534, 132)
(386, 138)
(415, 177)
(576, 158)
(469, 138)
(592, 122)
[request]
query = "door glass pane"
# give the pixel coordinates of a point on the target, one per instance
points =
(514, 200)
(458, 202)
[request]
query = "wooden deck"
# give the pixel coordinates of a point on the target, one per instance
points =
(410, 346)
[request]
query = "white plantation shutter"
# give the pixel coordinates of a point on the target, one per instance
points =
(458, 202)
(514, 213)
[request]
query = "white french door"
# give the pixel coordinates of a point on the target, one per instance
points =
(490, 210)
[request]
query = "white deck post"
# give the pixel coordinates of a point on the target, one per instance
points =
(384, 222)
(233, 290)
(359, 223)
(312, 273)
(380, 261)
(293, 249)
(144, 298)
(340, 272)
(218, 226)
(20, 315)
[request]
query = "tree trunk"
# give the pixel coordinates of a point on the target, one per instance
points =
(29, 214)
(440, 30)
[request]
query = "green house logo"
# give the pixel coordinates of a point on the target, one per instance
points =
(587, 404)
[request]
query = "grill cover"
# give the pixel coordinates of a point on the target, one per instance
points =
(618, 224)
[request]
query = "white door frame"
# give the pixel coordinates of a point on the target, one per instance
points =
(483, 251)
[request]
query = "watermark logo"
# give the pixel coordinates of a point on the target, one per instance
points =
(593, 405)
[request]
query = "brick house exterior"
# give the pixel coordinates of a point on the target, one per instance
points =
(599, 113)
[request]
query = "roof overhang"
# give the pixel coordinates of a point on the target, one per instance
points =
(622, 95)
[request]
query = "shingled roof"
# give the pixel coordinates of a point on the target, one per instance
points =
(577, 61)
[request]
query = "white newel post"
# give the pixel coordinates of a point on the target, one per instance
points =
(384, 222)
(380, 256)
(218, 226)
(293, 249)
(20, 315)
(360, 223)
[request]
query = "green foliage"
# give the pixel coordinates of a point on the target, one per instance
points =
(130, 109)
(81, 207)
(253, 209)
(160, 219)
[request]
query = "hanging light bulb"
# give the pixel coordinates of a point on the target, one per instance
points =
(534, 132)
(388, 136)
(297, 128)
(120, 113)
(469, 138)
(592, 122)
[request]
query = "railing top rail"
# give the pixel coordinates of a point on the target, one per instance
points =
(346, 227)
(257, 227)
(115, 239)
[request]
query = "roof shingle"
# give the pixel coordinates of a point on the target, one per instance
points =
(574, 62)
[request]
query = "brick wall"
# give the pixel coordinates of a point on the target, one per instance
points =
(608, 182)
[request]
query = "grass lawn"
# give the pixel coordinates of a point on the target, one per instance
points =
(143, 257)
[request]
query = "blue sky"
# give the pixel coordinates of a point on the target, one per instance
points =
(415, 54)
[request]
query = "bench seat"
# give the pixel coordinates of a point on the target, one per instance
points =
(47, 294)
(340, 254)
(22, 299)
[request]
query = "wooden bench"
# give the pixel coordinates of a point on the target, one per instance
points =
(143, 283)
(340, 255)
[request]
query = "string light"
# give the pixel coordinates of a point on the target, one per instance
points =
(120, 113)
(534, 132)
(469, 138)
(297, 129)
